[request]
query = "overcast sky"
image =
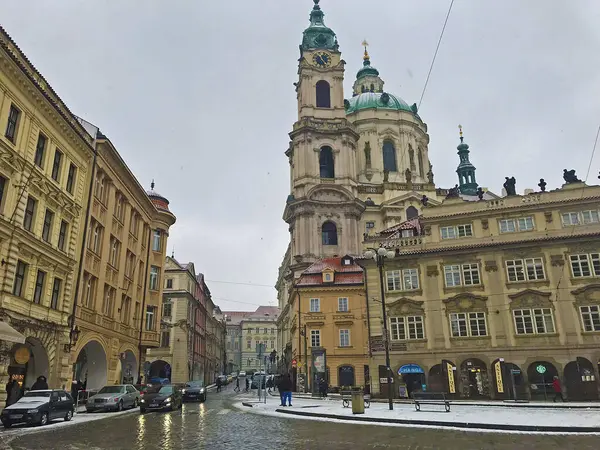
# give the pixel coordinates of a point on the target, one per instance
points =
(198, 95)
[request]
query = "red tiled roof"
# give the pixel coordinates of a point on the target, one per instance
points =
(343, 275)
(266, 310)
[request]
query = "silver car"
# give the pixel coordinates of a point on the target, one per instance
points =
(114, 398)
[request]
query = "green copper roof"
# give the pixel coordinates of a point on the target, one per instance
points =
(317, 35)
(366, 70)
(376, 100)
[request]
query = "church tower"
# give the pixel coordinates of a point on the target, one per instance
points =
(322, 210)
(465, 170)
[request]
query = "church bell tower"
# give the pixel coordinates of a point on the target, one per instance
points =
(322, 210)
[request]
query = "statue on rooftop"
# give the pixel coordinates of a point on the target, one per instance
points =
(453, 192)
(570, 177)
(480, 193)
(510, 186)
(542, 184)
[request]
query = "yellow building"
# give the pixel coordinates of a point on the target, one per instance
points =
(329, 324)
(45, 156)
(258, 327)
(120, 298)
(492, 298)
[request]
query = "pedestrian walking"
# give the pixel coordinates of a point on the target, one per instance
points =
(269, 385)
(219, 384)
(12, 392)
(237, 384)
(40, 384)
(285, 388)
(247, 384)
(557, 389)
(323, 388)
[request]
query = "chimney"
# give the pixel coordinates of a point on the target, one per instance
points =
(529, 191)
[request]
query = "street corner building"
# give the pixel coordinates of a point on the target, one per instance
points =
(486, 295)
(258, 327)
(75, 224)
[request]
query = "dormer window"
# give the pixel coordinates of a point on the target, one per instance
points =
(328, 277)
(347, 261)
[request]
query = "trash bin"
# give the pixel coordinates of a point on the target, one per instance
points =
(358, 402)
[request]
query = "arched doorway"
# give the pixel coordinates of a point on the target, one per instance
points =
(346, 376)
(413, 376)
(91, 367)
(28, 362)
(580, 380)
(160, 369)
(508, 381)
(474, 381)
(540, 375)
(129, 367)
(436, 381)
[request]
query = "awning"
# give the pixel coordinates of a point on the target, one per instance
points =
(8, 333)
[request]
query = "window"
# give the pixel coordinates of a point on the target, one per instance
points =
(369, 226)
(55, 293)
(167, 308)
(129, 265)
(71, 177)
(150, 322)
(109, 299)
(47, 228)
(315, 305)
(343, 304)
(411, 213)
(133, 223)
(249, 343)
(13, 120)
(461, 274)
(39, 287)
(119, 207)
(165, 338)
(513, 225)
(329, 232)
(410, 327)
(169, 283)
(90, 289)
(272, 343)
(315, 338)
(28, 219)
(125, 309)
(580, 218)
(272, 330)
(115, 247)
(344, 338)
(156, 241)
(99, 189)
(457, 231)
(2, 186)
(141, 273)
(20, 278)
(323, 94)
(403, 280)
(96, 237)
(62, 235)
(326, 163)
(468, 324)
(590, 316)
(56, 165)
(530, 269)
(154, 272)
(534, 321)
(585, 265)
(389, 157)
(40, 149)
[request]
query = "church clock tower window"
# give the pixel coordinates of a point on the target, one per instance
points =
(326, 162)
(389, 157)
(323, 94)
(329, 232)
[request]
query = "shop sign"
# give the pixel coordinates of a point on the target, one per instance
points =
(22, 355)
(410, 368)
(541, 369)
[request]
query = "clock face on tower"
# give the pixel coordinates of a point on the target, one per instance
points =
(322, 59)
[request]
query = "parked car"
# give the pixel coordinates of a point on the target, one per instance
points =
(193, 391)
(242, 374)
(257, 377)
(114, 398)
(162, 398)
(39, 407)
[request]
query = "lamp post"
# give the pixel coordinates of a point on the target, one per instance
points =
(379, 256)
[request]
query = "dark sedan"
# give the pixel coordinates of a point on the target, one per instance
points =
(161, 398)
(194, 391)
(39, 407)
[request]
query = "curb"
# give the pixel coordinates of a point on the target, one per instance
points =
(465, 425)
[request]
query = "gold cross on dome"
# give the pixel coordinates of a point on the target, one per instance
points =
(365, 44)
(460, 130)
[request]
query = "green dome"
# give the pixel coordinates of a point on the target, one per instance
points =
(317, 35)
(376, 100)
(366, 70)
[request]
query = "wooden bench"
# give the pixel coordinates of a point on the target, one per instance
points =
(430, 398)
(347, 398)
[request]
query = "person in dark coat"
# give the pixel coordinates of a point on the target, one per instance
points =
(219, 384)
(40, 384)
(286, 388)
(13, 392)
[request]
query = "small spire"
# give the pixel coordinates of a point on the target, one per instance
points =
(173, 253)
(365, 44)
(152, 184)
(461, 133)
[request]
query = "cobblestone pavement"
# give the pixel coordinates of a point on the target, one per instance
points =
(216, 424)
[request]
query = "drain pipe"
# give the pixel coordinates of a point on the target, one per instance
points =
(144, 303)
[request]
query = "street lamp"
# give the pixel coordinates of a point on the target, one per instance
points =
(379, 256)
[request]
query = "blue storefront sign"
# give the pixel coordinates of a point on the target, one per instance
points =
(410, 368)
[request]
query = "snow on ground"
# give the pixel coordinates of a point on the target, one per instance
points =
(505, 415)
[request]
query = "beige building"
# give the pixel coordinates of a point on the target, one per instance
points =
(492, 298)
(258, 327)
(120, 297)
(180, 356)
(216, 338)
(45, 160)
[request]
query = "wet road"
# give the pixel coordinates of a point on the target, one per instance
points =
(217, 425)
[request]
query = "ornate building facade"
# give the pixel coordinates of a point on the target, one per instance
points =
(258, 327)
(45, 160)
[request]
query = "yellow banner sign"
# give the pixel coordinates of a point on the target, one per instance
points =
(499, 381)
(451, 383)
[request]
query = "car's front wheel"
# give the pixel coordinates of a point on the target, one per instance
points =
(120, 406)
(6, 424)
(69, 415)
(44, 419)
(135, 403)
